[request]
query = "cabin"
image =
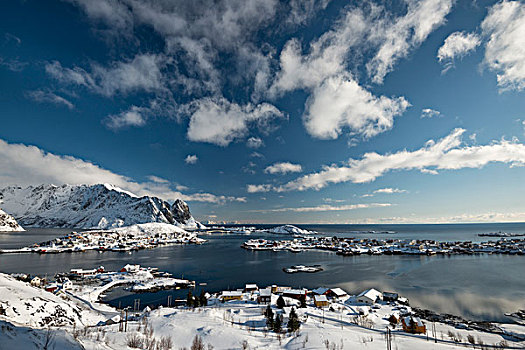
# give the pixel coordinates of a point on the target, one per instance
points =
(413, 325)
(389, 296)
(228, 295)
(36, 281)
(130, 268)
(265, 296)
(336, 293)
(249, 288)
(295, 293)
(320, 301)
(369, 297)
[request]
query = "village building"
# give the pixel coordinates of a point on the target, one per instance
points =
(320, 291)
(389, 296)
(320, 301)
(336, 293)
(265, 296)
(369, 297)
(228, 295)
(295, 293)
(130, 268)
(248, 288)
(413, 325)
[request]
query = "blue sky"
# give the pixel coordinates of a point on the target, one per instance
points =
(266, 111)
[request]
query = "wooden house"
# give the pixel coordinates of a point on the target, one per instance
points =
(321, 301)
(413, 325)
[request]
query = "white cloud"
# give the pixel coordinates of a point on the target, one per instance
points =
(398, 37)
(29, 165)
(158, 179)
(254, 142)
(135, 116)
(258, 188)
(504, 28)
(218, 121)
(326, 207)
(447, 153)
(429, 113)
(457, 44)
(191, 159)
(389, 190)
(341, 102)
(283, 168)
(142, 73)
(47, 96)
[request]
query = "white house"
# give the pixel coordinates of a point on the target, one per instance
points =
(369, 296)
(67, 284)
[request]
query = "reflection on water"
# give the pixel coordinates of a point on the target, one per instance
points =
(476, 286)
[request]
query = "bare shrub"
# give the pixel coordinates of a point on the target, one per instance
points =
(135, 341)
(165, 343)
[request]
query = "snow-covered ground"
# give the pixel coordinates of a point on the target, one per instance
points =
(345, 324)
(8, 223)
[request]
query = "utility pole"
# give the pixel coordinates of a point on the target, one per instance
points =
(169, 300)
(126, 321)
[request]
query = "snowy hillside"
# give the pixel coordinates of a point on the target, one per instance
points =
(8, 223)
(34, 307)
(90, 206)
(289, 230)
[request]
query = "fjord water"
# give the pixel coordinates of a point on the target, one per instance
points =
(475, 286)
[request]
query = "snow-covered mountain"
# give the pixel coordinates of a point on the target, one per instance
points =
(289, 230)
(8, 223)
(90, 206)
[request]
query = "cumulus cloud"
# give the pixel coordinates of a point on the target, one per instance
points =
(504, 28)
(283, 168)
(429, 113)
(29, 165)
(191, 159)
(135, 116)
(389, 190)
(337, 100)
(258, 188)
(49, 97)
(445, 154)
(457, 44)
(341, 102)
(218, 121)
(326, 207)
(254, 142)
(198, 35)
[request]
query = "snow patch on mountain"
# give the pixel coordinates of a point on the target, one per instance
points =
(99, 206)
(8, 223)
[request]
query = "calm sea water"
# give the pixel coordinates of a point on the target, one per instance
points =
(477, 286)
